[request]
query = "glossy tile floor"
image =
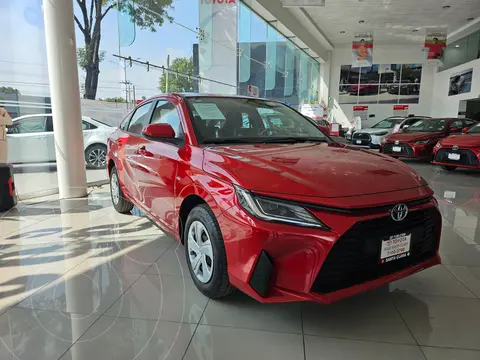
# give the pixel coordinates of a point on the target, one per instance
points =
(79, 281)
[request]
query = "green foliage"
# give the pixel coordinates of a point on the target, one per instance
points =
(8, 90)
(178, 83)
(114, 99)
(143, 18)
(83, 57)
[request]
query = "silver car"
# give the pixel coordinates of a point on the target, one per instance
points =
(372, 137)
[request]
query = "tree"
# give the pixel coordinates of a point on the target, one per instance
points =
(114, 99)
(8, 90)
(146, 14)
(178, 83)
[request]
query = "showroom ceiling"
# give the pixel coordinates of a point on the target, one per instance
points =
(392, 21)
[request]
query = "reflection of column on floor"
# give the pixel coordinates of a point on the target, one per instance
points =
(65, 95)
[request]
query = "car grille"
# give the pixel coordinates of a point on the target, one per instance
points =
(406, 149)
(355, 257)
(467, 157)
(364, 138)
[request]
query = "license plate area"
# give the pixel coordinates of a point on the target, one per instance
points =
(397, 149)
(395, 247)
(453, 156)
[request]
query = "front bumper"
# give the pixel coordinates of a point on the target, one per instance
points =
(408, 150)
(372, 141)
(468, 158)
(282, 263)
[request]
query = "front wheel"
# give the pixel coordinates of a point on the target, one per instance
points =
(96, 156)
(205, 253)
(120, 204)
(448, 168)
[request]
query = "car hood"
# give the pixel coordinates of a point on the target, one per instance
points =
(373, 131)
(468, 140)
(414, 136)
(313, 170)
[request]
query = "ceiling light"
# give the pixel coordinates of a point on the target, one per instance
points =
(342, 32)
(470, 19)
(415, 30)
(361, 21)
(457, 46)
(446, 7)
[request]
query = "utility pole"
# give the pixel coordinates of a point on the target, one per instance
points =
(127, 90)
(134, 97)
(168, 71)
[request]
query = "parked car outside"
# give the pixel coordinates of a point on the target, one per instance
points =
(364, 89)
(372, 137)
(30, 140)
(459, 150)
(418, 140)
(270, 209)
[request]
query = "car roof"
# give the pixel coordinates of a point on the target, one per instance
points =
(186, 95)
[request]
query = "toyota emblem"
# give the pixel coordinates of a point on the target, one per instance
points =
(399, 212)
(455, 147)
(397, 142)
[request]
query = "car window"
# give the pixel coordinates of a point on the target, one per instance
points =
(387, 123)
(474, 129)
(457, 125)
(468, 122)
(140, 119)
(28, 125)
(166, 113)
(223, 119)
(428, 125)
(87, 125)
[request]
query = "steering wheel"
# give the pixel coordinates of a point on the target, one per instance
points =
(271, 131)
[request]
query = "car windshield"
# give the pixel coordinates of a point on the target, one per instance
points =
(388, 123)
(219, 120)
(428, 125)
(475, 129)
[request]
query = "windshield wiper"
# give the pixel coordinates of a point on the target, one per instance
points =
(291, 140)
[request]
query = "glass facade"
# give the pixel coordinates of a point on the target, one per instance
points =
(461, 51)
(143, 48)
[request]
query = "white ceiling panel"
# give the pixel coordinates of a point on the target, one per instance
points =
(392, 21)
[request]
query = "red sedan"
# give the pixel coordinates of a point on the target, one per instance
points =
(459, 150)
(418, 140)
(269, 204)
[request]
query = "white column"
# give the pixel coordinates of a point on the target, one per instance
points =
(65, 94)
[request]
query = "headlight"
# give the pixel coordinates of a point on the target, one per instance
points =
(381, 134)
(384, 141)
(437, 145)
(421, 142)
(276, 210)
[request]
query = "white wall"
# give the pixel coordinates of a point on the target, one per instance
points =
(444, 105)
(386, 55)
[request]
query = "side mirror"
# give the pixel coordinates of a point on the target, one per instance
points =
(455, 130)
(465, 129)
(405, 126)
(159, 131)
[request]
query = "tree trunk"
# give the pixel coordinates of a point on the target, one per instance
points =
(92, 47)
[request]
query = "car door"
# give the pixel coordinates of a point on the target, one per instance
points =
(160, 160)
(131, 154)
(456, 127)
(27, 140)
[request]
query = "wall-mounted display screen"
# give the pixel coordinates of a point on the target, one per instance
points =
(460, 83)
(380, 84)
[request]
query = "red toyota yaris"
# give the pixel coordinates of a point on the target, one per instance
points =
(266, 203)
(459, 150)
(418, 140)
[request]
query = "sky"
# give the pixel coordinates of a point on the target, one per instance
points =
(23, 56)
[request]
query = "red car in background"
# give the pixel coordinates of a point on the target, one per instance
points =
(265, 204)
(419, 139)
(459, 150)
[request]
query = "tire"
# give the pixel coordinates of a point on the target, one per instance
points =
(448, 168)
(119, 202)
(95, 156)
(210, 275)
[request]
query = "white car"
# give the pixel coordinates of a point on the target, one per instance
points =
(30, 140)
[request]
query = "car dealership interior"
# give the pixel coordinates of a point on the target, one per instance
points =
(240, 179)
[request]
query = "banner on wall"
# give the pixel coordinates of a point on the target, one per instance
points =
(435, 43)
(460, 83)
(400, 110)
(360, 112)
(253, 91)
(362, 49)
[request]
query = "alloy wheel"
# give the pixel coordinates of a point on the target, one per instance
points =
(115, 188)
(97, 157)
(200, 252)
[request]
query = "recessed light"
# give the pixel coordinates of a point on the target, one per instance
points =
(446, 6)
(415, 30)
(470, 19)
(342, 32)
(361, 21)
(457, 46)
